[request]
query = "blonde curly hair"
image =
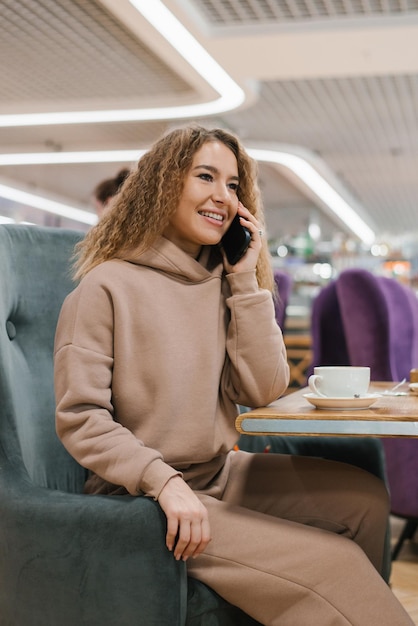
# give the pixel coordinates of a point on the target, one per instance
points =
(150, 196)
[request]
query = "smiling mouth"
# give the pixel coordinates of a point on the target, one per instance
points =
(214, 216)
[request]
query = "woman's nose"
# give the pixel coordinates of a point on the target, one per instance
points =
(220, 193)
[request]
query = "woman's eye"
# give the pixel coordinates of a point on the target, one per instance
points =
(206, 176)
(233, 186)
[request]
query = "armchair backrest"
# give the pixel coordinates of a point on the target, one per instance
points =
(401, 327)
(413, 303)
(380, 319)
(365, 318)
(34, 280)
(378, 323)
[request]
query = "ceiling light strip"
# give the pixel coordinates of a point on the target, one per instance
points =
(299, 166)
(194, 53)
(157, 14)
(60, 158)
(45, 204)
(321, 188)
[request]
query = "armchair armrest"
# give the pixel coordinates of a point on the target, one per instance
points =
(72, 559)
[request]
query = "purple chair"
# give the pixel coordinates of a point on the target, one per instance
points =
(365, 319)
(329, 347)
(284, 284)
(380, 320)
(413, 301)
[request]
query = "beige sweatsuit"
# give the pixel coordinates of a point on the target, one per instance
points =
(153, 354)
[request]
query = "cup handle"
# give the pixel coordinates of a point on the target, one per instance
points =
(312, 380)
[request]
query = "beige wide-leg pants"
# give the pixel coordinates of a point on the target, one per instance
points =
(298, 541)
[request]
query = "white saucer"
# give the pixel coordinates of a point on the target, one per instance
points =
(342, 403)
(413, 387)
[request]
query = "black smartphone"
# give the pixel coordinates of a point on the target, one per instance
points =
(236, 240)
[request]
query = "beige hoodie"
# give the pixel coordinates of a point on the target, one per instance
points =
(152, 355)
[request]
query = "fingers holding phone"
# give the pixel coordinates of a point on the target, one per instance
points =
(236, 240)
(242, 241)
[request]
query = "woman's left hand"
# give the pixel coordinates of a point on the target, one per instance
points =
(250, 258)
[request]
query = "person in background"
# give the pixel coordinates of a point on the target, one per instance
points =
(156, 347)
(105, 191)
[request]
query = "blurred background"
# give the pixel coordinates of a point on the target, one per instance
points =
(323, 93)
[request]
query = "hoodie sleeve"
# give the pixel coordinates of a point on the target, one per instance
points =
(85, 421)
(258, 371)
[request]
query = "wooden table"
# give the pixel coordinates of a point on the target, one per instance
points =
(389, 416)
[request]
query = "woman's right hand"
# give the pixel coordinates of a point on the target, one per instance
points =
(188, 529)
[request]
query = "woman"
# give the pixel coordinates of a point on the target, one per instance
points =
(156, 347)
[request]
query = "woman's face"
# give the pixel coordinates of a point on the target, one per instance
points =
(209, 200)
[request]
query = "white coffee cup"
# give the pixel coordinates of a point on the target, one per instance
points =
(340, 381)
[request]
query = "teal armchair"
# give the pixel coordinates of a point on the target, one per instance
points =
(68, 559)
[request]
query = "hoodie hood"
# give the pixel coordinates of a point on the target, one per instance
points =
(167, 257)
